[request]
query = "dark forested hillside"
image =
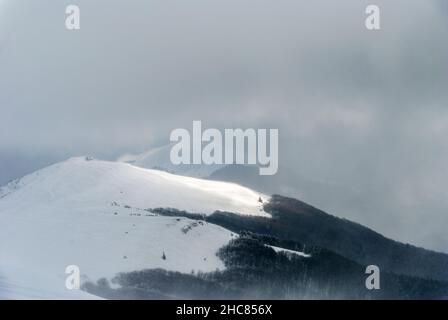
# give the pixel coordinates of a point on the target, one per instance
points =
(329, 262)
(309, 225)
(300, 222)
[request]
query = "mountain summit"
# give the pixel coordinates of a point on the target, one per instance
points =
(97, 215)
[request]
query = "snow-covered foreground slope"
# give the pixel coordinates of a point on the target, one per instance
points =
(91, 214)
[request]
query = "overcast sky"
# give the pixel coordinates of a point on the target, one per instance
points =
(363, 111)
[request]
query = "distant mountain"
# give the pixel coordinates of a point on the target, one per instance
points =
(248, 175)
(159, 159)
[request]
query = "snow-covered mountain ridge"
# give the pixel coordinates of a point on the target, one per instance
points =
(91, 213)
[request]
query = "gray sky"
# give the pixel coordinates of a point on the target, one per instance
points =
(364, 113)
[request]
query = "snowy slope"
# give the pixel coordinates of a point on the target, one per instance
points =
(159, 158)
(288, 251)
(91, 214)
